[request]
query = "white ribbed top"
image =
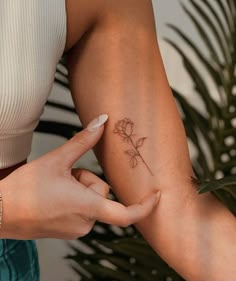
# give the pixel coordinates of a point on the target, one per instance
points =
(32, 40)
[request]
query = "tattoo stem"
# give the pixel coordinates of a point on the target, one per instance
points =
(141, 157)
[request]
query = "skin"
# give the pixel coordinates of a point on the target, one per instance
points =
(115, 67)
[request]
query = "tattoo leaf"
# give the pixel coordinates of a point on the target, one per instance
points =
(134, 162)
(131, 152)
(140, 142)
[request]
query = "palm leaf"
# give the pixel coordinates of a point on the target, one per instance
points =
(214, 31)
(200, 85)
(208, 65)
(127, 257)
(204, 36)
(219, 184)
(223, 31)
(220, 66)
(229, 18)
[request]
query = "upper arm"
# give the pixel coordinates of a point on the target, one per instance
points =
(116, 68)
(114, 47)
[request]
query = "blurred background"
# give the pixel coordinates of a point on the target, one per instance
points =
(51, 251)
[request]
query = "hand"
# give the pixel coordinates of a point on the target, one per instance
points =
(48, 198)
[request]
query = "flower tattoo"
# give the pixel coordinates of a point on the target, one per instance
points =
(125, 130)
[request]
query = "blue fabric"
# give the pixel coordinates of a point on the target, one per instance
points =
(19, 260)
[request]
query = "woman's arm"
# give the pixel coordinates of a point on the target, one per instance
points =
(116, 68)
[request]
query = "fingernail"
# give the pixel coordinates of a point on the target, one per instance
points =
(97, 122)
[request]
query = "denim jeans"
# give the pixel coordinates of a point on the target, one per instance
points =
(19, 260)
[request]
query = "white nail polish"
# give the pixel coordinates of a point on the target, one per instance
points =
(97, 122)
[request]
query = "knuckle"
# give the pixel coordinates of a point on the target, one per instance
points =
(106, 189)
(78, 172)
(85, 173)
(82, 231)
(69, 236)
(73, 237)
(76, 233)
(125, 222)
(103, 189)
(86, 229)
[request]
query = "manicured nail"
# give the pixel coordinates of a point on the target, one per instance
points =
(97, 122)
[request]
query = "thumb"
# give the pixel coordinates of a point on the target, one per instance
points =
(73, 149)
(115, 213)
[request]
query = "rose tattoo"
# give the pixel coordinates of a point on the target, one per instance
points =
(125, 129)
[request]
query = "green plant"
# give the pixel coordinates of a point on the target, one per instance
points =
(122, 254)
(216, 129)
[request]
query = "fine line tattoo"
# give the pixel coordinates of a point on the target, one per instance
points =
(124, 128)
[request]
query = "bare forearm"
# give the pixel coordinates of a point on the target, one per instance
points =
(123, 77)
